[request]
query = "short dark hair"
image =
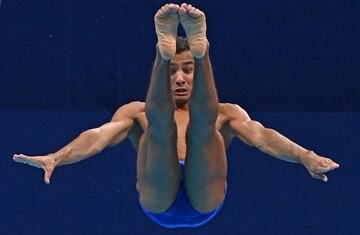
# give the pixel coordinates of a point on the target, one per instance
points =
(182, 44)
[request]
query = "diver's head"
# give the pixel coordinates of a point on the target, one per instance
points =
(182, 67)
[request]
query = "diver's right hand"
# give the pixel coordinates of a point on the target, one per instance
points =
(47, 163)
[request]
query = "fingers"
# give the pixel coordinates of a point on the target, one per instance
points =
(322, 169)
(18, 157)
(32, 161)
(43, 162)
(327, 162)
(332, 163)
(320, 164)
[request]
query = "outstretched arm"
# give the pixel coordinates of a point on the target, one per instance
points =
(273, 143)
(87, 144)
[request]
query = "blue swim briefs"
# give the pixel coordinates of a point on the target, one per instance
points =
(181, 213)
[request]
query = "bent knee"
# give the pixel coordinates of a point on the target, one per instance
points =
(206, 206)
(206, 199)
(156, 204)
(155, 199)
(207, 203)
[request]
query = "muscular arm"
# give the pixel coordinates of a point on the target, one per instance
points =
(273, 143)
(93, 141)
(267, 140)
(88, 143)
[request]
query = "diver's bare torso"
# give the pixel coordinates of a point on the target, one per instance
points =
(182, 119)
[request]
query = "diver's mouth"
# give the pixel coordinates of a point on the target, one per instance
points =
(181, 91)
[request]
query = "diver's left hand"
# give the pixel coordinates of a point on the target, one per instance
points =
(318, 165)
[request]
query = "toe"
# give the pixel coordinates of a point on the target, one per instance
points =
(163, 11)
(194, 12)
(182, 11)
(187, 7)
(173, 8)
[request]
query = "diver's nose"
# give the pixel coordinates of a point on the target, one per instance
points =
(179, 79)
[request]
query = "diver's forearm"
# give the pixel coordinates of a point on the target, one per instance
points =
(84, 146)
(277, 145)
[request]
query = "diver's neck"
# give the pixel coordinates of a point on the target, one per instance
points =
(182, 107)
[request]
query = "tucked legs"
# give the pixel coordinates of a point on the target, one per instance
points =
(206, 166)
(158, 170)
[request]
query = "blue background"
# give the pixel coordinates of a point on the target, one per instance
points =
(65, 66)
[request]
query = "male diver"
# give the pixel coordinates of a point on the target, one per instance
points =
(181, 131)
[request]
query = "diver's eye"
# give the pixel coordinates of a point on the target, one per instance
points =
(173, 70)
(187, 70)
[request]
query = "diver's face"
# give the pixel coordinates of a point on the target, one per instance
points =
(182, 67)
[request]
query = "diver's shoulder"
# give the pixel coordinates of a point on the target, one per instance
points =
(136, 104)
(228, 106)
(129, 110)
(231, 109)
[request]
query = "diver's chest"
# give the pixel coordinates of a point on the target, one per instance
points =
(181, 120)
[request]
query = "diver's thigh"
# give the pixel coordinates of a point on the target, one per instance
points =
(205, 170)
(158, 172)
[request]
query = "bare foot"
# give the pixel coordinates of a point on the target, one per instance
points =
(166, 24)
(194, 24)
